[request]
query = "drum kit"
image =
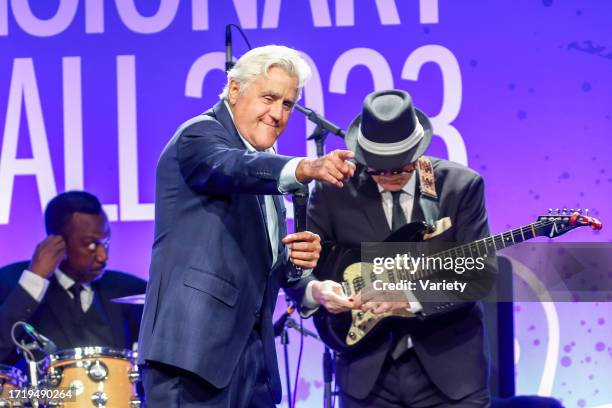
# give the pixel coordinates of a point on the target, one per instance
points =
(81, 377)
(96, 377)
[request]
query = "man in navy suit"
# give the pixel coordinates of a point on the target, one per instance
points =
(221, 250)
(65, 291)
(436, 359)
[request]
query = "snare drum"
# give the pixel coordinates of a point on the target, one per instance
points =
(11, 378)
(99, 377)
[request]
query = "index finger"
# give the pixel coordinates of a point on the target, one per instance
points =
(344, 154)
(304, 236)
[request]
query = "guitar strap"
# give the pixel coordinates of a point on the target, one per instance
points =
(428, 200)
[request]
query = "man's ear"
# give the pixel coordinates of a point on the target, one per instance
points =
(233, 92)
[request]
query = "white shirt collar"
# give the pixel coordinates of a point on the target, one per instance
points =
(249, 147)
(408, 188)
(66, 281)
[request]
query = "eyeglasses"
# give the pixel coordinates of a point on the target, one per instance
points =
(391, 172)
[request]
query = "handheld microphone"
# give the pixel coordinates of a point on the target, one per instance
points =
(46, 345)
(300, 205)
(228, 48)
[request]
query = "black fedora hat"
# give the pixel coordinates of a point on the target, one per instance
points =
(390, 132)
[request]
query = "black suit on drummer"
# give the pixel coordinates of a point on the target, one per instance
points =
(64, 292)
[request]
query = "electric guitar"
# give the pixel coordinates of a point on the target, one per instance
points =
(349, 331)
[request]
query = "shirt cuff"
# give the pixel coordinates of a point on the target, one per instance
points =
(308, 302)
(415, 305)
(35, 285)
(287, 181)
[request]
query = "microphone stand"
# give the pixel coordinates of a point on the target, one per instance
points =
(284, 337)
(285, 343)
(319, 135)
(323, 128)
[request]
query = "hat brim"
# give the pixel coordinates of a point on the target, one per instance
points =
(375, 161)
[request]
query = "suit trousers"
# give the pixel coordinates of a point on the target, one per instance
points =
(167, 386)
(403, 383)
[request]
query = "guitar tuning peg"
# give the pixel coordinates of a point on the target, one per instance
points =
(579, 210)
(571, 210)
(556, 211)
(586, 211)
(550, 211)
(564, 211)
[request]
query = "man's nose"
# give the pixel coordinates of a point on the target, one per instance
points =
(101, 253)
(276, 111)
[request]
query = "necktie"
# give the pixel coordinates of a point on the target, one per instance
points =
(398, 219)
(76, 302)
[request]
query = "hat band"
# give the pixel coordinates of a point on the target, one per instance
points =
(391, 149)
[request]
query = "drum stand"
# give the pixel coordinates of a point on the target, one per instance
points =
(33, 368)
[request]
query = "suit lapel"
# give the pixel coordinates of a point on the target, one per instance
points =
(371, 205)
(222, 115)
(417, 211)
(113, 310)
(59, 306)
(220, 112)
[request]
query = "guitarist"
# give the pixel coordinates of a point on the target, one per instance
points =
(437, 359)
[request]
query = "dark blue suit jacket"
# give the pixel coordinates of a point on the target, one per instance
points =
(51, 317)
(211, 275)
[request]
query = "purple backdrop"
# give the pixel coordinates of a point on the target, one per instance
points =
(90, 92)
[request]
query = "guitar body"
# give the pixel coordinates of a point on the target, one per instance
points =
(352, 331)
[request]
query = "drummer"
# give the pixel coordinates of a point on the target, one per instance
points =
(65, 291)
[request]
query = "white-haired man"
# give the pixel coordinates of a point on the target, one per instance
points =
(221, 250)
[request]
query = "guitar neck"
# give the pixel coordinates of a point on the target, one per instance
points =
(480, 248)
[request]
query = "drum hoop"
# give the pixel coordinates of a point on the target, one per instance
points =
(13, 373)
(89, 352)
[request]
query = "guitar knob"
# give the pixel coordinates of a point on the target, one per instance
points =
(352, 335)
(359, 315)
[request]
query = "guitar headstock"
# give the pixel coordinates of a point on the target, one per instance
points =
(558, 222)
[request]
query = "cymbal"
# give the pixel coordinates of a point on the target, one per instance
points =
(140, 299)
(131, 300)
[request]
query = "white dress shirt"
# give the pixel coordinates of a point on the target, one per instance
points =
(37, 286)
(407, 204)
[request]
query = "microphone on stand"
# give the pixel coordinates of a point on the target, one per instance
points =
(300, 205)
(228, 48)
(46, 345)
(279, 324)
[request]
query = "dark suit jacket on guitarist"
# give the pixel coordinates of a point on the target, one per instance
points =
(53, 318)
(448, 339)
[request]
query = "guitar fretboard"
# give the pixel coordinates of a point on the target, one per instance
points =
(481, 248)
